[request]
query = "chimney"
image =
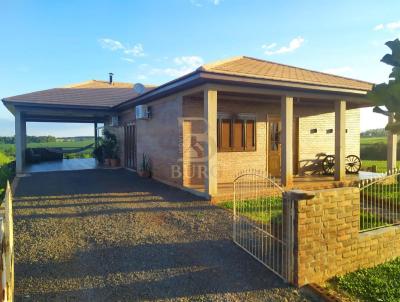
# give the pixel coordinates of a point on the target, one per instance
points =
(111, 78)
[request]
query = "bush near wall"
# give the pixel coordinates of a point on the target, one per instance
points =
(377, 151)
(7, 172)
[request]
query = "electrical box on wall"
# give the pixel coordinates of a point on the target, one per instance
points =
(143, 112)
(114, 121)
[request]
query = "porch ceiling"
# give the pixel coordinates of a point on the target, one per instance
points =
(62, 114)
(352, 103)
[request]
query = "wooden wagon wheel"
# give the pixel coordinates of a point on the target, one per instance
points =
(353, 164)
(328, 164)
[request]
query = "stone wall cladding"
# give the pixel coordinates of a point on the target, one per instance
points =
(328, 241)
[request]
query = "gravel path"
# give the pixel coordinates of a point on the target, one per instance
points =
(107, 235)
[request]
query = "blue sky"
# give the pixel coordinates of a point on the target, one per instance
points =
(49, 44)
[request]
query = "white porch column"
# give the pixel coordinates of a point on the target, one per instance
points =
(391, 148)
(210, 148)
(287, 140)
(340, 139)
(20, 141)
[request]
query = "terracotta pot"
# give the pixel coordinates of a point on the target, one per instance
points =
(114, 162)
(145, 174)
(107, 161)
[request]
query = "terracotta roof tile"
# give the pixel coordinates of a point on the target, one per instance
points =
(251, 67)
(95, 97)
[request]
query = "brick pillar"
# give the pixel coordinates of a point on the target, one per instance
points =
(291, 231)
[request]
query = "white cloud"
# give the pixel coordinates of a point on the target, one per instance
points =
(111, 44)
(393, 25)
(114, 45)
(389, 26)
(180, 66)
(189, 61)
(200, 3)
(136, 51)
(130, 60)
(142, 77)
(272, 45)
(341, 71)
(293, 45)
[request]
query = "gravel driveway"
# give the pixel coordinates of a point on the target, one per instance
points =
(107, 235)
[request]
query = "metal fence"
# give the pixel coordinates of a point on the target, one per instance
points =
(7, 251)
(260, 221)
(380, 201)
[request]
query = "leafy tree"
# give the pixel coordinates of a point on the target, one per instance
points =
(388, 94)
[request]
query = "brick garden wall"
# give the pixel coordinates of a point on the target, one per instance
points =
(327, 239)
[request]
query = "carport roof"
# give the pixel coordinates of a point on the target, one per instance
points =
(78, 97)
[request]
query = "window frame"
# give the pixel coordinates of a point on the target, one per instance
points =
(244, 117)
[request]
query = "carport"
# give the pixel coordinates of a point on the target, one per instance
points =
(62, 105)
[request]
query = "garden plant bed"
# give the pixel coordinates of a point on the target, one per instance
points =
(380, 283)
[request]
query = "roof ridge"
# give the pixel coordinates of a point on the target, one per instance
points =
(306, 69)
(77, 84)
(207, 66)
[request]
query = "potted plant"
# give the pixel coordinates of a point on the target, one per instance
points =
(145, 167)
(114, 161)
(109, 145)
(98, 153)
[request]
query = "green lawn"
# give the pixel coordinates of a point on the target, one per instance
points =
(260, 210)
(380, 283)
(9, 149)
(370, 221)
(6, 172)
(4, 159)
(380, 164)
(373, 140)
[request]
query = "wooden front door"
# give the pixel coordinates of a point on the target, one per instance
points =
(130, 146)
(274, 146)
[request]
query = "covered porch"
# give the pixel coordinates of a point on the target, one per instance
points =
(23, 115)
(210, 169)
(59, 105)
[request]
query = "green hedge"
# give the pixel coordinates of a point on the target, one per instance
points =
(7, 172)
(376, 151)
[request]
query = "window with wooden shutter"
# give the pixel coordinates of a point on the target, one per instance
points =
(250, 135)
(225, 135)
(236, 134)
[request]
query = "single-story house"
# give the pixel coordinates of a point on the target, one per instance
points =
(201, 129)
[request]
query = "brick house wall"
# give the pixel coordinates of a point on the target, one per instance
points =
(313, 146)
(327, 239)
(159, 138)
(167, 138)
(309, 144)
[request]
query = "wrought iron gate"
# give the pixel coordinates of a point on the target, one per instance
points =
(262, 223)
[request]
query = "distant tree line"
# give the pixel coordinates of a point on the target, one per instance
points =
(29, 139)
(374, 133)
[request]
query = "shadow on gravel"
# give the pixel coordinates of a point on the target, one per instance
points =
(108, 235)
(109, 212)
(158, 271)
(100, 181)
